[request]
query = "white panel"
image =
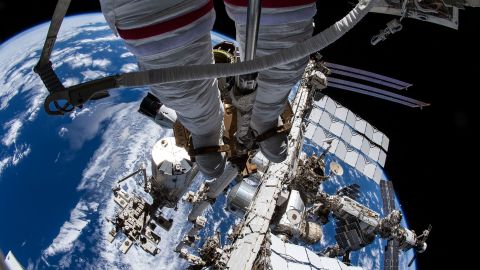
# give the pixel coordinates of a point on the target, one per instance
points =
(319, 136)
(357, 141)
(298, 266)
(354, 138)
(360, 163)
(277, 262)
(11, 262)
(277, 258)
(347, 134)
(277, 244)
(382, 158)
(385, 142)
(377, 137)
(333, 147)
(330, 106)
(365, 146)
(343, 266)
(374, 153)
(341, 150)
(315, 261)
(351, 119)
(321, 103)
(351, 158)
(360, 125)
(378, 175)
(297, 253)
(330, 264)
(325, 121)
(315, 115)
(310, 130)
(369, 131)
(369, 170)
(336, 128)
(341, 113)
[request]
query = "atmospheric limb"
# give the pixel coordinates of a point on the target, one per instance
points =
(171, 33)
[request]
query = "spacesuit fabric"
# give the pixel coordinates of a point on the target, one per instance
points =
(282, 25)
(167, 33)
(142, 26)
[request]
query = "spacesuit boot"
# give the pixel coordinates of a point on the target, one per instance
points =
(170, 33)
(274, 148)
(282, 25)
(211, 164)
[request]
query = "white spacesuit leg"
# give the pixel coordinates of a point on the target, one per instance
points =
(171, 33)
(282, 25)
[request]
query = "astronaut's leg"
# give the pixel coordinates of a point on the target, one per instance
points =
(172, 33)
(282, 25)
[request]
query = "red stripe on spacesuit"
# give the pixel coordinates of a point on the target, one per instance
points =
(272, 3)
(167, 26)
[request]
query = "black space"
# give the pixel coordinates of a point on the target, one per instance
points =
(429, 159)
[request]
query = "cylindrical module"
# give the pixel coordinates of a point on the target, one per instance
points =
(293, 217)
(311, 233)
(240, 197)
(172, 171)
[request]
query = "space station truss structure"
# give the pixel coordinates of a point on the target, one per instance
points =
(290, 256)
(353, 140)
(245, 249)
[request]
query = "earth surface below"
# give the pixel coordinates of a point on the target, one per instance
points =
(56, 173)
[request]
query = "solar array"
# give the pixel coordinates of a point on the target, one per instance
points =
(355, 141)
(368, 83)
(392, 249)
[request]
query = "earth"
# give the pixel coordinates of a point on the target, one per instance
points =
(56, 172)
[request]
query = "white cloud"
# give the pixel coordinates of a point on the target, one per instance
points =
(92, 74)
(88, 123)
(95, 28)
(13, 132)
(97, 40)
(126, 141)
(35, 102)
(4, 163)
(20, 153)
(77, 113)
(126, 54)
(102, 63)
(128, 68)
(6, 97)
(71, 81)
(78, 60)
(13, 80)
(70, 230)
(62, 131)
(365, 261)
(58, 56)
